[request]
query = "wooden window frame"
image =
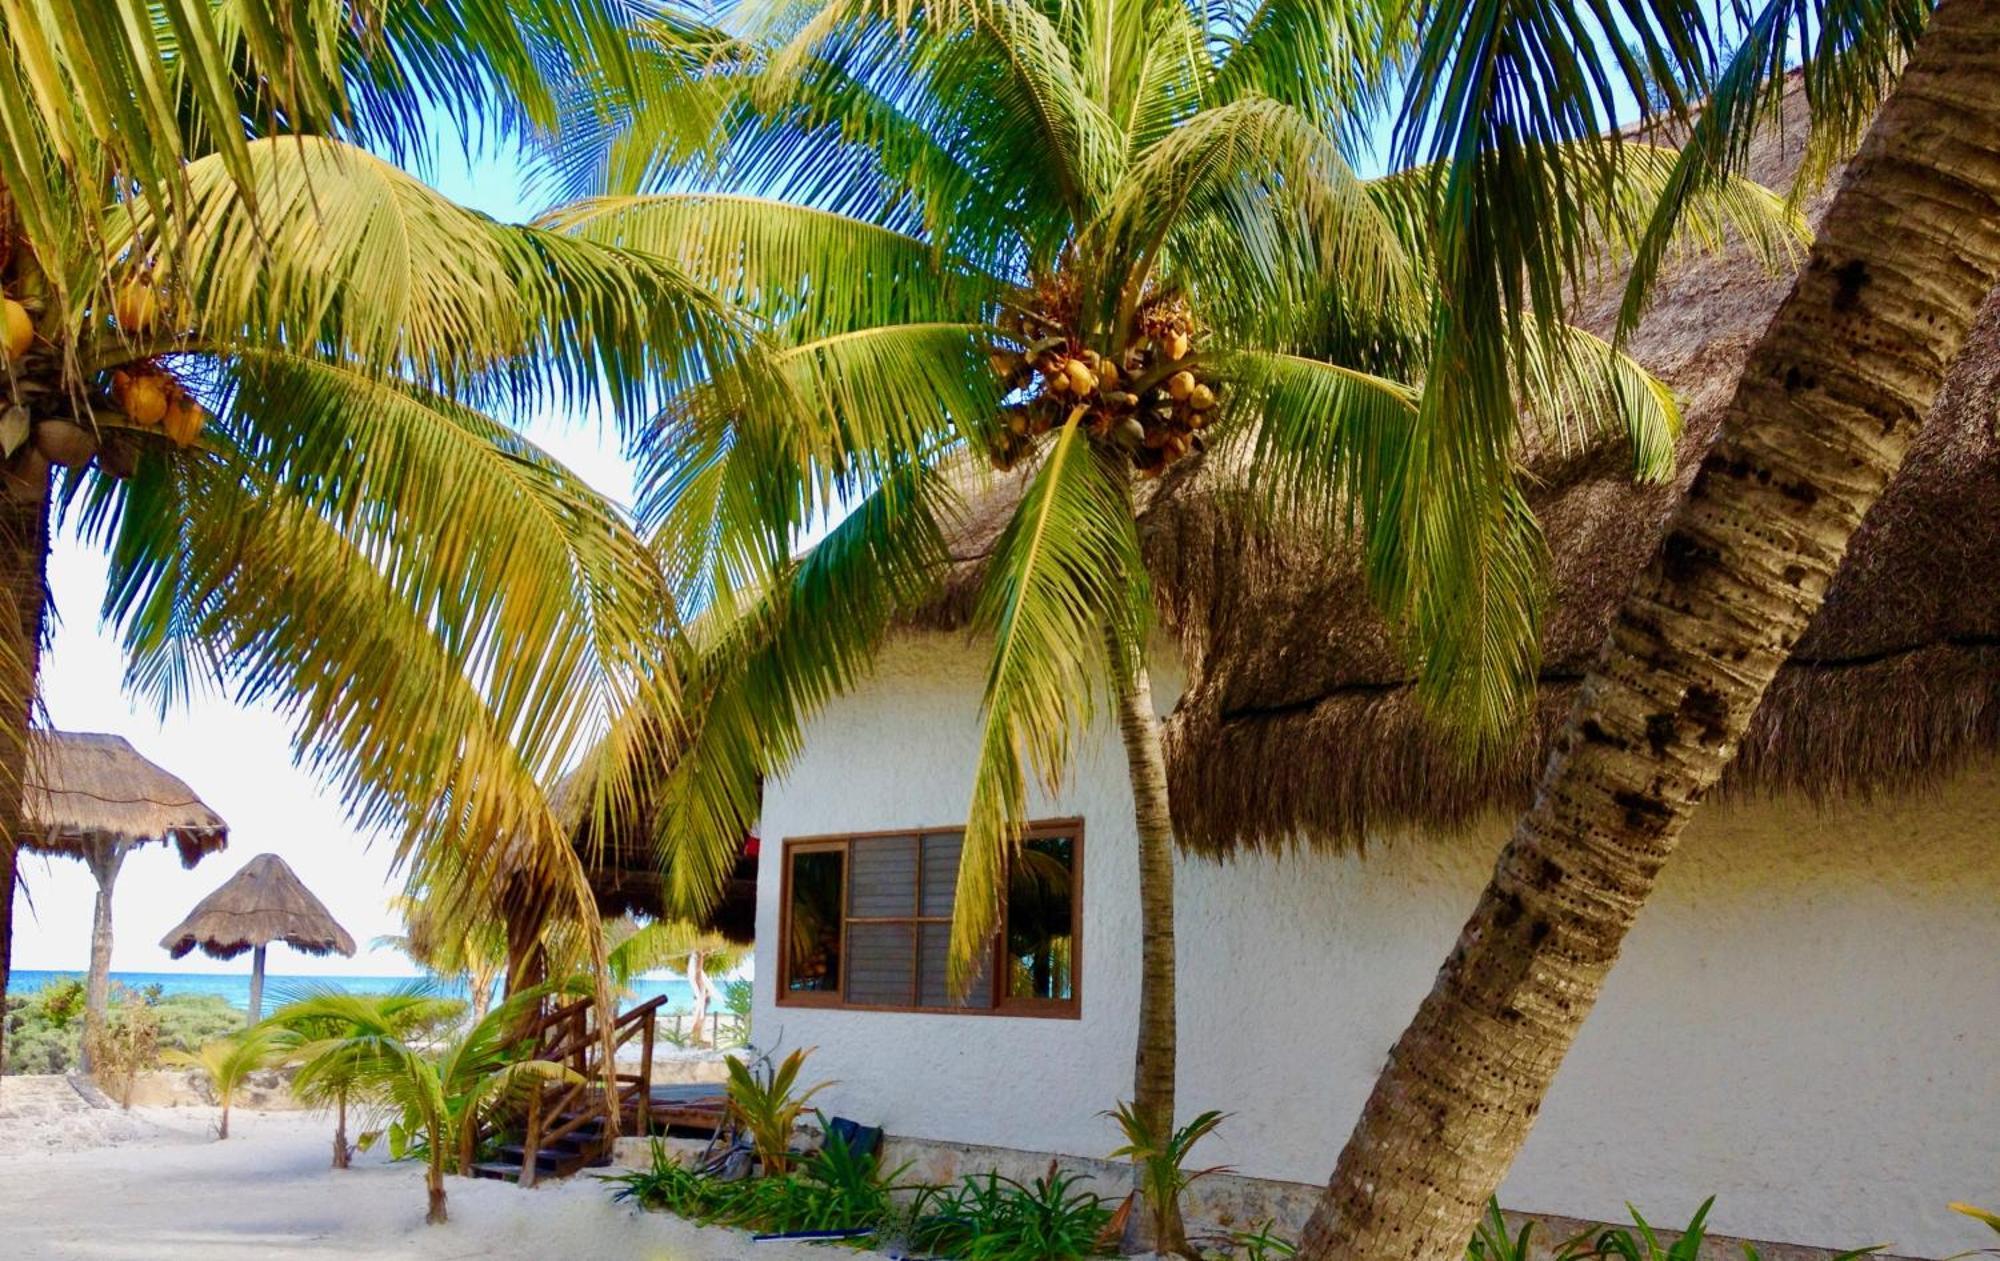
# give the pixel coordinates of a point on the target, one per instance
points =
(998, 1002)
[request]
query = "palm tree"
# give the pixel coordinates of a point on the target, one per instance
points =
(228, 1063)
(463, 946)
(1089, 240)
(1825, 411)
(440, 1096)
(260, 353)
(680, 947)
(303, 1028)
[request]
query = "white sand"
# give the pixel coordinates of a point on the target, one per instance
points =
(150, 1185)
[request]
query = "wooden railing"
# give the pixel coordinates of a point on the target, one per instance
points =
(569, 1035)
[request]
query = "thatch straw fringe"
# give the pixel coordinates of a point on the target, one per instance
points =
(86, 787)
(263, 903)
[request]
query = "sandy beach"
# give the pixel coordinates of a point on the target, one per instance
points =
(79, 1183)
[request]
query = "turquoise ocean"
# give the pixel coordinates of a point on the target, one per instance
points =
(235, 986)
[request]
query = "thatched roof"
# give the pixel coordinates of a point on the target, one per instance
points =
(626, 874)
(1300, 721)
(83, 787)
(263, 903)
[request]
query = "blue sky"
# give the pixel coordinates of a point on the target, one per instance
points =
(237, 758)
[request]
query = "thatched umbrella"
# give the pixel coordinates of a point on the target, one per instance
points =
(91, 796)
(263, 903)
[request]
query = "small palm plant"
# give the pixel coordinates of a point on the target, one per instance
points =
(439, 1096)
(1161, 1161)
(228, 1062)
(304, 1028)
(768, 1109)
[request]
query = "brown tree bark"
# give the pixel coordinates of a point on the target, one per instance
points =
(24, 570)
(343, 1156)
(435, 1215)
(107, 856)
(1156, 1060)
(1823, 416)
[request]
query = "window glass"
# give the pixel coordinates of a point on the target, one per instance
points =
(814, 921)
(867, 924)
(1041, 919)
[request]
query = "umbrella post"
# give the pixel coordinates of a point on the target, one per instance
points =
(256, 985)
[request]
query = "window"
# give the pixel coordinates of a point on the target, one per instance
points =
(866, 923)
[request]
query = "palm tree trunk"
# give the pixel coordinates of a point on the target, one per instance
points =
(107, 855)
(1154, 1064)
(24, 571)
(222, 1130)
(468, 1141)
(435, 1215)
(1823, 416)
(698, 983)
(341, 1159)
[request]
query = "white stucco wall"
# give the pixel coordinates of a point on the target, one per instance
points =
(1806, 1021)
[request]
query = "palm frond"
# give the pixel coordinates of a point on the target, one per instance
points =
(1297, 214)
(1066, 568)
(809, 272)
(343, 255)
(1854, 51)
(728, 480)
(436, 710)
(770, 658)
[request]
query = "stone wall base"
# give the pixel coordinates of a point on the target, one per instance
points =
(1224, 1204)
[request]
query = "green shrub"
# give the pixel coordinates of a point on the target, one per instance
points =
(998, 1219)
(736, 999)
(831, 1189)
(668, 1186)
(45, 1027)
(1262, 1244)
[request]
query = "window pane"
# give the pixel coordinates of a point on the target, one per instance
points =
(940, 873)
(814, 922)
(932, 991)
(881, 963)
(885, 877)
(1041, 891)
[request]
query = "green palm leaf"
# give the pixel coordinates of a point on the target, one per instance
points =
(1066, 568)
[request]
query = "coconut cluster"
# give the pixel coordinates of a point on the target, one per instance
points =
(151, 397)
(1149, 398)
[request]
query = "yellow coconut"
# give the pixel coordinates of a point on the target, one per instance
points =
(146, 400)
(18, 333)
(1107, 374)
(1176, 345)
(1201, 398)
(184, 420)
(136, 306)
(1181, 384)
(1081, 379)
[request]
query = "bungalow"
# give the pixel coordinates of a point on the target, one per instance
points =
(1805, 1020)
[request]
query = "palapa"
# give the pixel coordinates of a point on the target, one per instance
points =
(90, 796)
(263, 903)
